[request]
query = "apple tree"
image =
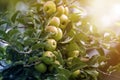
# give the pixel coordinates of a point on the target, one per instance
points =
(51, 40)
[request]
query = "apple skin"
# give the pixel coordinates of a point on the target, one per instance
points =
(55, 21)
(60, 10)
(75, 73)
(63, 20)
(50, 45)
(48, 57)
(48, 54)
(42, 68)
(59, 35)
(49, 7)
(66, 12)
(69, 61)
(52, 30)
(56, 33)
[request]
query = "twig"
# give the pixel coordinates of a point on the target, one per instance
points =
(22, 52)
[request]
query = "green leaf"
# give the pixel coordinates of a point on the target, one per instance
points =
(61, 77)
(74, 17)
(67, 40)
(18, 45)
(14, 17)
(28, 42)
(101, 51)
(81, 48)
(81, 37)
(2, 22)
(13, 33)
(3, 35)
(93, 60)
(59, 57)
(93, 73)
(77, 64)
(29, 32)
(69, 28)
(13, 55)
(37, 46)
(2, 52)
(64, 72)
(102, 58)
(72, 46)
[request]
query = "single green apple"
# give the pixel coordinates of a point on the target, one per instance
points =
(60, 10)
(42, 68)
(59, 35)
(52, 30)
(49, 7)
(55, 21)
(63, 21)
(50, 45)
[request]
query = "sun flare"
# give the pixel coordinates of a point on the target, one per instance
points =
(105, 13)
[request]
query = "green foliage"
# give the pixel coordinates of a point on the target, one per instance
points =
(25, 36)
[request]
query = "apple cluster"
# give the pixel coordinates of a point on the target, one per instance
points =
(57, 22)
(56, 25)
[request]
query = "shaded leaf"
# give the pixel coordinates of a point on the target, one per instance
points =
(93, 73)
(101, 51)
(77, 64)
(67, 40)
(81, 36)
(64, 72)
(2, 34)
(61, 77)
(2, 22)
(37, 46)
(12, 33)
(13, 55)
(14, 17)
(2, 53)
(93, 60)
(74, 17)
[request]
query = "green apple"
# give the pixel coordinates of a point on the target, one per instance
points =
(59, 35)
(63, 20)
(55, 21)
(69, 61)
(52, 30)
(57, 62)
(48, 57)
(66, 12)
(60, 10)
(50, 45)
(74, 53)
(75, 73)
(42, 68)
(49, 7)
(48, 54)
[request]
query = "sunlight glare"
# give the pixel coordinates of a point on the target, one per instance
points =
(105, 13)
